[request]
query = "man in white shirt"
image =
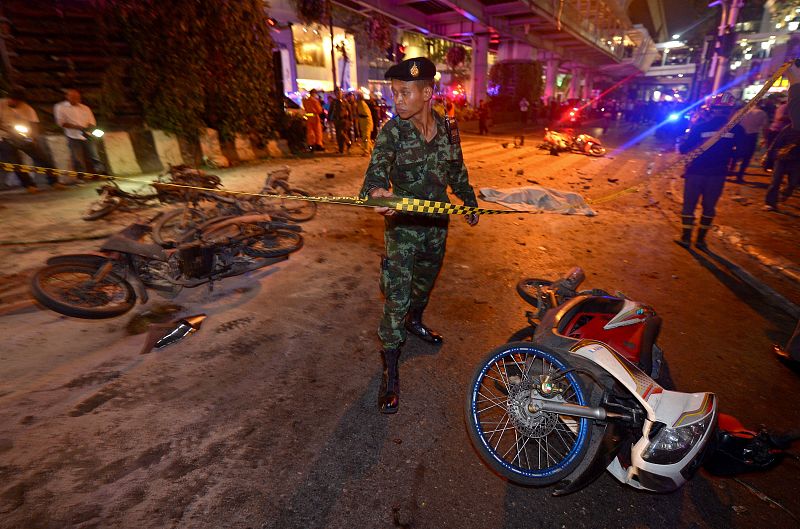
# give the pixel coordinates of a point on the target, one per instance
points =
(753, 122)
(74, 117)
(19, 129)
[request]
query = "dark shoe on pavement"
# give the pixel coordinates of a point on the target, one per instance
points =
(389, 394)
(767, 207)
(686, 238)
(415, 326)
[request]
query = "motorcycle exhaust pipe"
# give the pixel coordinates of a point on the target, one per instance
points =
(575, 410)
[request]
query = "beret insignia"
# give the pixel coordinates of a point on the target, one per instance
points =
(414, 70)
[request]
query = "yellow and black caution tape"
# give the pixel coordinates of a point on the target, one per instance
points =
(412, 205)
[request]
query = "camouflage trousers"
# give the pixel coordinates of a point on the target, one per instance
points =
(415, 247)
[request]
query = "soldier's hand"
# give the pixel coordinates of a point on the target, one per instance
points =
(472, 219)
(380, 192)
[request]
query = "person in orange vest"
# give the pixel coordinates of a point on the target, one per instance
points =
(313, 110)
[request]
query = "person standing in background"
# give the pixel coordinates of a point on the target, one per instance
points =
(752, 123)
(483, 117)
(19, 131)
(313, 110)
(75, 117)
(523, 111)
(364, 122)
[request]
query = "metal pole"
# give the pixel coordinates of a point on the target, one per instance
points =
(333, 56)
(727, 23)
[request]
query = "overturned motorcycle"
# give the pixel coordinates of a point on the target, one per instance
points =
(561, 408)
(106, 284)
(567, 141)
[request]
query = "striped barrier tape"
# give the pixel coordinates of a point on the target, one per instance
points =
(411, 205)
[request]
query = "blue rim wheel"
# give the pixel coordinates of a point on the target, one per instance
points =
(527, 447)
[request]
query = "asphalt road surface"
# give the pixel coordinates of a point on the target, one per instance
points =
(267, 417)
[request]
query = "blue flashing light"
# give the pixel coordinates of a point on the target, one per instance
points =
(675, 116)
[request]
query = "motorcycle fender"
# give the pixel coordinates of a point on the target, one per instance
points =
(87, 258)
(607, 439)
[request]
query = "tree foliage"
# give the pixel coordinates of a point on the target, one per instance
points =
(198, 63)
(511, 81)
(311, 11)
(456, 56)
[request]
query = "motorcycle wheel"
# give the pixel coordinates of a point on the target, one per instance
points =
(534, 449)
(297, 210)
(70, 289)
(597, 150)
(274, 243)
(101, 208)
(176, 225)
(526, 288)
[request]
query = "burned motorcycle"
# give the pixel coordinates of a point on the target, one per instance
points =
(113, 197)
(566, 141)
(106, 284)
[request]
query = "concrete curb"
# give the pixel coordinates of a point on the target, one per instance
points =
(788, 270)
(777, 264)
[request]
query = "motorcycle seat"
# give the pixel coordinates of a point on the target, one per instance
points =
(587, 317)
(128, 241)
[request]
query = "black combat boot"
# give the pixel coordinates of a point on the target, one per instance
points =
(705, 225)
(686, 234)
(414, 326)
(389, 396)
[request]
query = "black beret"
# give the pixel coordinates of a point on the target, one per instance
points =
(415, 69)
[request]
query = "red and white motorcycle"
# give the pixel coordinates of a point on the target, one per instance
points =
(579, 398)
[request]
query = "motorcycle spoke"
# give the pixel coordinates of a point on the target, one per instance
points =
(80, 288)
(496, 403)
(499, 439)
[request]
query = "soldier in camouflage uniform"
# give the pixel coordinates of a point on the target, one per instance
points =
(417, 154)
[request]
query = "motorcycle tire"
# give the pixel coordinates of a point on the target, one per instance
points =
(597, 150)
(50, 286)
(526, 288)
(297, 210)
(274, 243)
(176, 225)
(523, 335)
(100, 209)
(496, 402)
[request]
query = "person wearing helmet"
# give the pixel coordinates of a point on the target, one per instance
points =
(705, 176)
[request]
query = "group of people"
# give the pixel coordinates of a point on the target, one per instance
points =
(706, 175)
(20, 132)
(352, 117)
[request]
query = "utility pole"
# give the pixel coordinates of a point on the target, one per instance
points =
(333, 56)
(719, 63)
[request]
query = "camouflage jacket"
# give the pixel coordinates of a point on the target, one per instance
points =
(415, 168)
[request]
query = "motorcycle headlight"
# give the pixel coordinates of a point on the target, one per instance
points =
(97, 133)
(22, 129)
(669, 445)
